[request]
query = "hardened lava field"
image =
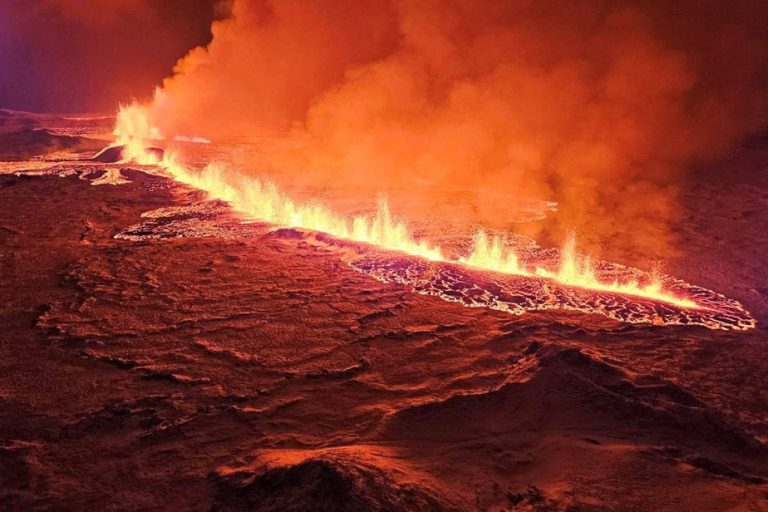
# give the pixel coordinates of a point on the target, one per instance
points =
(159, 353)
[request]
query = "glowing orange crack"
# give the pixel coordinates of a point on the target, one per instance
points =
(263, 201)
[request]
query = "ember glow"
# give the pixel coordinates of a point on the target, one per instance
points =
(260, 200)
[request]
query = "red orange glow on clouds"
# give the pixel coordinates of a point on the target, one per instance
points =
(597, 105)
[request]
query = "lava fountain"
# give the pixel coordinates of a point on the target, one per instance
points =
(261, 200)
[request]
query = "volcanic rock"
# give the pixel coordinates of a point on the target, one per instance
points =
(322, 484)
(115, 154)
(283, 378)
(27, 143)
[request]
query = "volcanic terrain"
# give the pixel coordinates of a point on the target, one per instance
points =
(159, 352)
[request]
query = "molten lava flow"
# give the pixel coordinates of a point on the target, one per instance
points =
(577, 270)
(262, 201)
(134, 132)
(492, 255)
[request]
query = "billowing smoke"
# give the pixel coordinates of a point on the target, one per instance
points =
(599, 105)
(86, 55)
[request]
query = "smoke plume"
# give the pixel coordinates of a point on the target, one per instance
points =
(598, 105)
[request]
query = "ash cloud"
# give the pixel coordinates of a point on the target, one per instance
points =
(599, 105)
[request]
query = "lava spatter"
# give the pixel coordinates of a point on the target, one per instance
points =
(472, 287)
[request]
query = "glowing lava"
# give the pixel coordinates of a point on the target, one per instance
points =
(263, 201)
(134, 133)
(577, 270)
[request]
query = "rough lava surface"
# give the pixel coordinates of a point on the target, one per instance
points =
(160, 354)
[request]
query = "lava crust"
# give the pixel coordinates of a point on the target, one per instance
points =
(159, 353)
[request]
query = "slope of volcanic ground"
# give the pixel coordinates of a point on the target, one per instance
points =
(240, 368)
